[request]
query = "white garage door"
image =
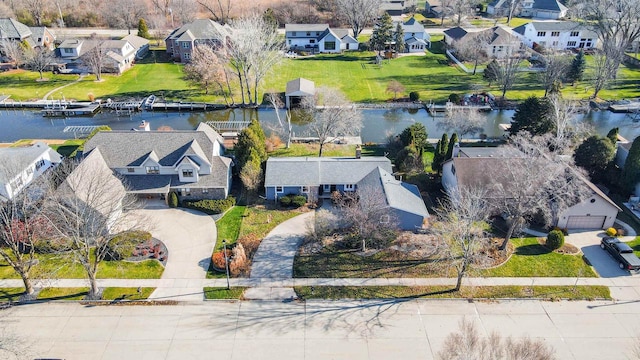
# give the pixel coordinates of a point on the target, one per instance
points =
(586, 222)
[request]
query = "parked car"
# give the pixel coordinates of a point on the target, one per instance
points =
(622, 252)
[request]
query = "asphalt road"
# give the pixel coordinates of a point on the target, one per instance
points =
(314, 330)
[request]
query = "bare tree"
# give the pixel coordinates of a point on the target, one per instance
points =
(332, 115)
(446, 9)
(220, 9)
(38, 59)
(567, 130)
(395, 87)
(183, 11)
(13, 51)
(460, 226)
(285, 126)
(473, 48)
(89, 209)
(207, 69)
(604, 67)
(368, 216)
(467, 343)
(358, 13)
(36, 8)
(162, 6)
(507, 72)
(125, 14)
(463, 121)
(461, 9)
(6, 11)
(513, 8)
(96, 59)
(556, 67)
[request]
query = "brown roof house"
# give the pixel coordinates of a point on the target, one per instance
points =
(482, 168)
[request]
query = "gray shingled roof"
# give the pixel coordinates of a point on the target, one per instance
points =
(130, 148)
(313, 171)
(200, 29)
(456, 33)
(412, 26)
(15, 160)
(136, 41)
(399, 195)
(306, 27)
(13, 29)
(553, 5)
(300, 86)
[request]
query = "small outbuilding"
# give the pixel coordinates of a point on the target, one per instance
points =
(298, 89)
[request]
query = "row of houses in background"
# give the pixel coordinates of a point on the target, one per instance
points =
(119, 55)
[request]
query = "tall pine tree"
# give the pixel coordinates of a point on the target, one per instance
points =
(382, 33)
(576, 70)
(631, 170)
(452, 143)
(143, 29)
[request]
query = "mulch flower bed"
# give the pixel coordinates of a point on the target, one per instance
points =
(151, 249)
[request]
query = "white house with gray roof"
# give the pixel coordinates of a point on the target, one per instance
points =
(318, 38)
(416, 38)
(316, 177)
(482, 168)
(181, 42)
(152, 163)
(557, 35)
(20, 166)
(119, 54)
(541, 9)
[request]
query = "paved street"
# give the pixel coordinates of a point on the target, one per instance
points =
(313, 330)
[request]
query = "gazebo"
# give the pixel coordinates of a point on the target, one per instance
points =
(297, 89)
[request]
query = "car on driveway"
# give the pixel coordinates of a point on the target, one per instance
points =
(622, 252)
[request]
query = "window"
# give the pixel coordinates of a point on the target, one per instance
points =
(349, 187)
(317, 33)
(279, 189)
(187, 173)
(131, 170)
(29, 171)
(153, 169)
(554, 44)
(205, 190)
(68, 51)
(304, 189)
(39, 164)
(542, 33)
(312, 41)
(384, 219)
(571, 44)
(187, 56)
(185, 45)
(17, 183)
(453, 169)
(555, 33)
(575, 33)
(330, 45)
(185, 191)
(308, 33)
(293, 33)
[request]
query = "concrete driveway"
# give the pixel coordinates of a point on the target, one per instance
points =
(190, 237)
(604, 264)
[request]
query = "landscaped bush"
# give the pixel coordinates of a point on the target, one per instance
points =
(414, 96)
(173, 199)
(218, 260)
(211, 207)
(285, 200)
(123, 245)
(239, 264)
(51, 246)
(555, 239)
(612, 232)
(454, 98)
(298, 201)
(250, 243)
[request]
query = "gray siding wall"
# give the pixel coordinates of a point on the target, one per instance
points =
(408, 221)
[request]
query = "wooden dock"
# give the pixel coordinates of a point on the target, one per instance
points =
(185, 106)
(70, 110)
(441, 110)
(625, 108)
(228, 126)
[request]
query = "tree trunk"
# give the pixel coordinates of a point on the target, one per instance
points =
(93, 285)
(475, 67)
(28, 287)
(364, 245)
(459, 279)
(321, 146)
(40, 71)
(512, 228)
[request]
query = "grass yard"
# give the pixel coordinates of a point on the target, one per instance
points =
(123, 293)
(10, 294)
(529, 259)
(63, 293)
(22, 84)
(229, 225)
(635, 245)
(313, 149)
(515, 22)
(68, 147)
(221, 293)
(441, 292)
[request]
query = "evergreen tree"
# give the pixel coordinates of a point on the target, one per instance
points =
(612, 135)
(534, 116)
(257, 129)
(491, 72)
(631, 170)
(452, 143)
(399, 38)
(594, 155)
(247, 141)
(382, 33)
(444, 142)
(576, 70)
(436, 164)
(143, 30)
(415, 134)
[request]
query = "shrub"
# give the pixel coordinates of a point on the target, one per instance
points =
(211, 207)
(250, 243)
(51, 246)
(612, 232)
(239, 263)
(414, 96)
(298, 201)
(91, 97)
(124, 245)
(555, 239)
(217, 259)
(285, 200)
(173, 199)
(454, 98)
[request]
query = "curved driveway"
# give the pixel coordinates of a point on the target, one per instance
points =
(190, 237)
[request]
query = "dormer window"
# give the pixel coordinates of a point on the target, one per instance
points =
(153, 169)
(187, 173)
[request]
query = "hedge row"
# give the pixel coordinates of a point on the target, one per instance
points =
(211, 207)
(293, 200)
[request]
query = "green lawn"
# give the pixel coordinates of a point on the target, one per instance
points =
(529, 259)
(22, 85)
(221, 293)
(63, 293)
(635, 245)
(312, 150)
(123, 293)
(229, 225)
(515, 22)
(441, 292)
(68, 147)
(10, 294)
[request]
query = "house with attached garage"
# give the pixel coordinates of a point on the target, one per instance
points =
(556, 35)
(319, 38)
(181, 41)
(481, 167)
(21, 166)
(153, 163)
(319, 177)
(500, 42)
(416, 38)
(119, 55)
(542, 9)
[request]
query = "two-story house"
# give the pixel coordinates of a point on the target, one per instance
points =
(153, 163)
(318, 38)
(13, 30)
(181, 42)
(20, 166)
(119, 55)
(557, 35)
(499, 42)
(542, 9)
(416, 38)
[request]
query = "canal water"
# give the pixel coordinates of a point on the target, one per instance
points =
(377, 123)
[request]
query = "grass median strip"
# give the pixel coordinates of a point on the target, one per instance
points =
(11, 294)
(126, 293)
(443, 292)
(221, 293)
(52, 293)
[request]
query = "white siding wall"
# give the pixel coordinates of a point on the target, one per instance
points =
(330, 38)
(449, 179)
(600, 207)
